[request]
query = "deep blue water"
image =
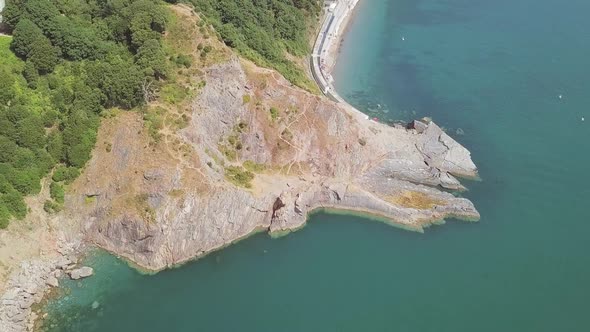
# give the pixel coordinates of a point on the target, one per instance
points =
(494, 70)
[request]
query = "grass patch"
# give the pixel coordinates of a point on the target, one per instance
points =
(229, 152)
(239, 176)
(174, 93)
(141, 204)
(89, 200)
(153, 119)
(274, 113)
(254, 167)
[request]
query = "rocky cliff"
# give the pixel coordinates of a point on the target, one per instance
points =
(159, 206)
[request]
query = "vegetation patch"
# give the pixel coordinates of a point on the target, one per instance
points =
(154, 122)
(239, 176)
(274, 113)
(415, 200)
(254, 167)
(142, 206)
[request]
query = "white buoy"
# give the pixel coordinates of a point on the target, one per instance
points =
(560, 96)
(582, 119)
(403, 38)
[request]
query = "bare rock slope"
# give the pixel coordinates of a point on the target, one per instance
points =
(160, 204)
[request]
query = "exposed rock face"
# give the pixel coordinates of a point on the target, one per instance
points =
(83, 272)
(158, 208)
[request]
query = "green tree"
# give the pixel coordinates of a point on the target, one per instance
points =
(152, 59)
(13, 201)
(76, 41)
(119, 79)
(40, 12)
(4, 216)
(79, 136)
(7, 148)
(43, 55)
(31, 74)
(56, 191)
(66, 174)
(55, 146)
(24, 36)
(31, 132)
(25, 181)
(12, 13)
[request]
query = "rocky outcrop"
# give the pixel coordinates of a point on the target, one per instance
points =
(30, 284)
(83, 272)
(159, 209)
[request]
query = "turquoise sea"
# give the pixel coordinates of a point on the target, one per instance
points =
(492, 73)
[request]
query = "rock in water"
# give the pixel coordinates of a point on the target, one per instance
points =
(52, 281)
(82, 272)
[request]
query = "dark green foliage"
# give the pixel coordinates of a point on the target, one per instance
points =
(56, 191)
(119, 79)
(24, 181)
(31, 132)
(43, 55)
(55, 146)
(152, 58)
(12, 13)
(24, 35)
(14, 203)
(262, 30)
(79, 136)
(4, 216)
(75, 40)
(183, 60)
(7, 148)
(41, 12)
(31, 74)
(65, 174)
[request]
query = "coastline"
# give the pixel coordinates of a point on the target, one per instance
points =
(330, 198)
(326, 47)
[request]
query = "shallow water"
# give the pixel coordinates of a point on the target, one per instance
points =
(494, 70)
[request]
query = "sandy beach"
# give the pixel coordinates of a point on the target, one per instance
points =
(337, 36)
(327, 44)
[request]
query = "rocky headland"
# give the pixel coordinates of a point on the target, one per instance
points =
(159, 210)
(254, 154)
